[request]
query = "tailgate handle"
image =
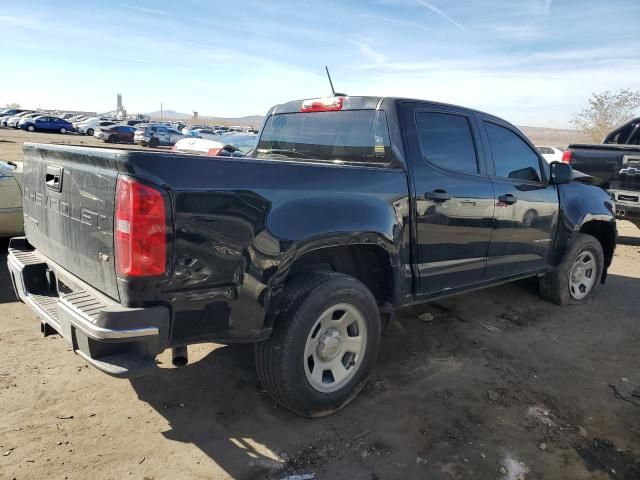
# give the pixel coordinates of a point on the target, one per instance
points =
(53, 178)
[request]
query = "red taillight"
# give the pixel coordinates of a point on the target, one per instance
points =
(566, 156)
(330, 104)
(140, 229)
(174, 148)
(214, 152)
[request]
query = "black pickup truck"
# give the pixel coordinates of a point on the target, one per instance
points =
(347, 208)
(614, 165)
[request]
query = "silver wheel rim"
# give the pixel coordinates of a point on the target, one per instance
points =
(30, 128)
(335, 347)
(63, 130)
(582, 276)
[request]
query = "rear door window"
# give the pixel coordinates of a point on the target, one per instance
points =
(353, 136)
(446, 141)
(512, 157)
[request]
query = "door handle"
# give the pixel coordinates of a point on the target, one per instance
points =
(437, 196)
(508, 198)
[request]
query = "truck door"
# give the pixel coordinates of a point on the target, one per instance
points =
(453, 196)
(526, 209)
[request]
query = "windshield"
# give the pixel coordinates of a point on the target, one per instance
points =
(358, 136)
(244, 143)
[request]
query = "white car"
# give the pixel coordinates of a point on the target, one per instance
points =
(11, 222)
(13, 121)
(207, 133)
(550, 154)
(223, 146)
(88, 127)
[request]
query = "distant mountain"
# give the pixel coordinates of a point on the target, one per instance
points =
(250, 120)
(169, 115)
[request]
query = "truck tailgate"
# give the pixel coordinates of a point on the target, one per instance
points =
(68, 203)
(617, 165)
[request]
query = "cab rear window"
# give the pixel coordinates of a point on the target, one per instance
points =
(353, 136)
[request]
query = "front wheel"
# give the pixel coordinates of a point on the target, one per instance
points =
(153, 142)
(324, 344)
(90, 132)
(575, 279)
(31, 128)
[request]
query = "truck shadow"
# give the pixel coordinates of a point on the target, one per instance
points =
(216, 403)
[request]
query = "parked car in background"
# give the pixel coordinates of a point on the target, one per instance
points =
(178, 125)
(11, 111)
(13, 121)
(46, 123)
(614, 164)
(190, 130)
(7, 113)
(11, 221)
(156, 135)
(550, 154)
(207, 133)
(131, 123)
(88, 127)
(210, 148)
(117, 134)
(77, 118)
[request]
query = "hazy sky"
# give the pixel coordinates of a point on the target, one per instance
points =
(531, 62)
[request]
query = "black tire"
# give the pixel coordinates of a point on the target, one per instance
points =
(554, 286)
(112, 139)
(153, 142)
(90, 132)
(280, 359)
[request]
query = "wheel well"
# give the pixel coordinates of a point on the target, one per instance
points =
(368, 263)
(604, 232)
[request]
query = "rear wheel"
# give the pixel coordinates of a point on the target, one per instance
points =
(324, 344)
(112, 139)
(575, 279)
(63, 130)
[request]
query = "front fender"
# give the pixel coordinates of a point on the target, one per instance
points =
(581, 204)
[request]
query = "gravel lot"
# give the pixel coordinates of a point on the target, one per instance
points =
(488, 385)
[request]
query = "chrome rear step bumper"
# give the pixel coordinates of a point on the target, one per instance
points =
(119, 341)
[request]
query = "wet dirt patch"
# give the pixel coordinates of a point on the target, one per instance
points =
(599, 454)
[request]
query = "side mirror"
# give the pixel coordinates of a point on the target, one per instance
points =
(560, 173)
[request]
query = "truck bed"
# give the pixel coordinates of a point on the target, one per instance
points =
(230, 225)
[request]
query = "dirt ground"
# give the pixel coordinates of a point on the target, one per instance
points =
(495, 384)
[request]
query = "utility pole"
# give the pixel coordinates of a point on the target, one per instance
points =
(160, 111)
